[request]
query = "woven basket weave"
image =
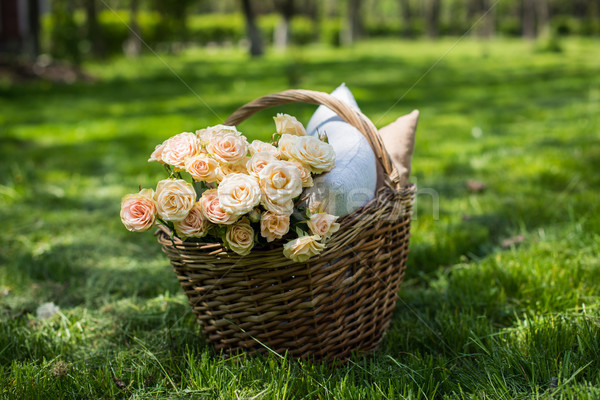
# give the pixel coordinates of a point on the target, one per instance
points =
(335, 304)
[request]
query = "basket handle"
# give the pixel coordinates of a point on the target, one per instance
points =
(347, 113)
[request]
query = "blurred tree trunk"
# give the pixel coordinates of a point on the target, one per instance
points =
(93, 28)
(256, 46)
(133, 45)
(281, 34)
(354, 24)
(543, 17)
(33, 16)
(528, 19)
(432, 17)
(489, 22)
(407, 22)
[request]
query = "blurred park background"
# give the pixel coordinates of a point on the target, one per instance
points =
(502, 293)
(77, 30)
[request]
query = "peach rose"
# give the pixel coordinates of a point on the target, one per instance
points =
(303, 248)
(157, 153)
(285, 123)
(194, 225)
(279, 182)
(228, 147)
(274, 226)
(312, 152)
(238, 193)
(212, 210)
(305, 175)
(178, 148)
(323, 224)
(258, 161)
(202, 168)
(138, 211)
(240, 237)
(174, 199)
(258, 146)
(208, 134)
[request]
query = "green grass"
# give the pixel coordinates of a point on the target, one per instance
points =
(475, 318)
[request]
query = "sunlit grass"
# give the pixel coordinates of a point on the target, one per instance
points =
(502, 290)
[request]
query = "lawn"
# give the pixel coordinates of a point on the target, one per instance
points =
(502, 293)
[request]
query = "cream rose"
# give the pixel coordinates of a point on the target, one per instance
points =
(258, 146)
(258, 161)
(285, 123)
(274, 226)
(279, 182)
(303, 248)
(178, 148)
(202, 168)
(312, 152)
(174, 199)
(212, 210)
(305, 174)
(138, 211)
(323, 224)
(240, 237)
(228, 147)
(238, 193)
(194, 225)
(206, 135)
(286, 143)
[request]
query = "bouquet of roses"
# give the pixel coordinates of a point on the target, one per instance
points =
(242, 194)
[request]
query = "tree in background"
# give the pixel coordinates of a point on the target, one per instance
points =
(407, 18)
(254, 35)
(133, 45)
(64, 32)
(281, 34)
(432, 18)
(94, 34)
(353, 28)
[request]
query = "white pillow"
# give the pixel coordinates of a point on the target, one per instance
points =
(352, 182)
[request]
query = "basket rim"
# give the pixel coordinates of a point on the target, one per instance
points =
(349, 114)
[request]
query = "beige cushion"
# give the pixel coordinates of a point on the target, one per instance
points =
(399, 141)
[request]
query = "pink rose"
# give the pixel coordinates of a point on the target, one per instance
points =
(212, 210)
(240, 237)
(157, 153)
(202, 168)
(194, 225)
(174, 199)
(228, 147)
(274, 226)
(258, 161)
(138, 211)
(180, 147)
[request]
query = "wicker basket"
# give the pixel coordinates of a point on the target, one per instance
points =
(337, 303)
